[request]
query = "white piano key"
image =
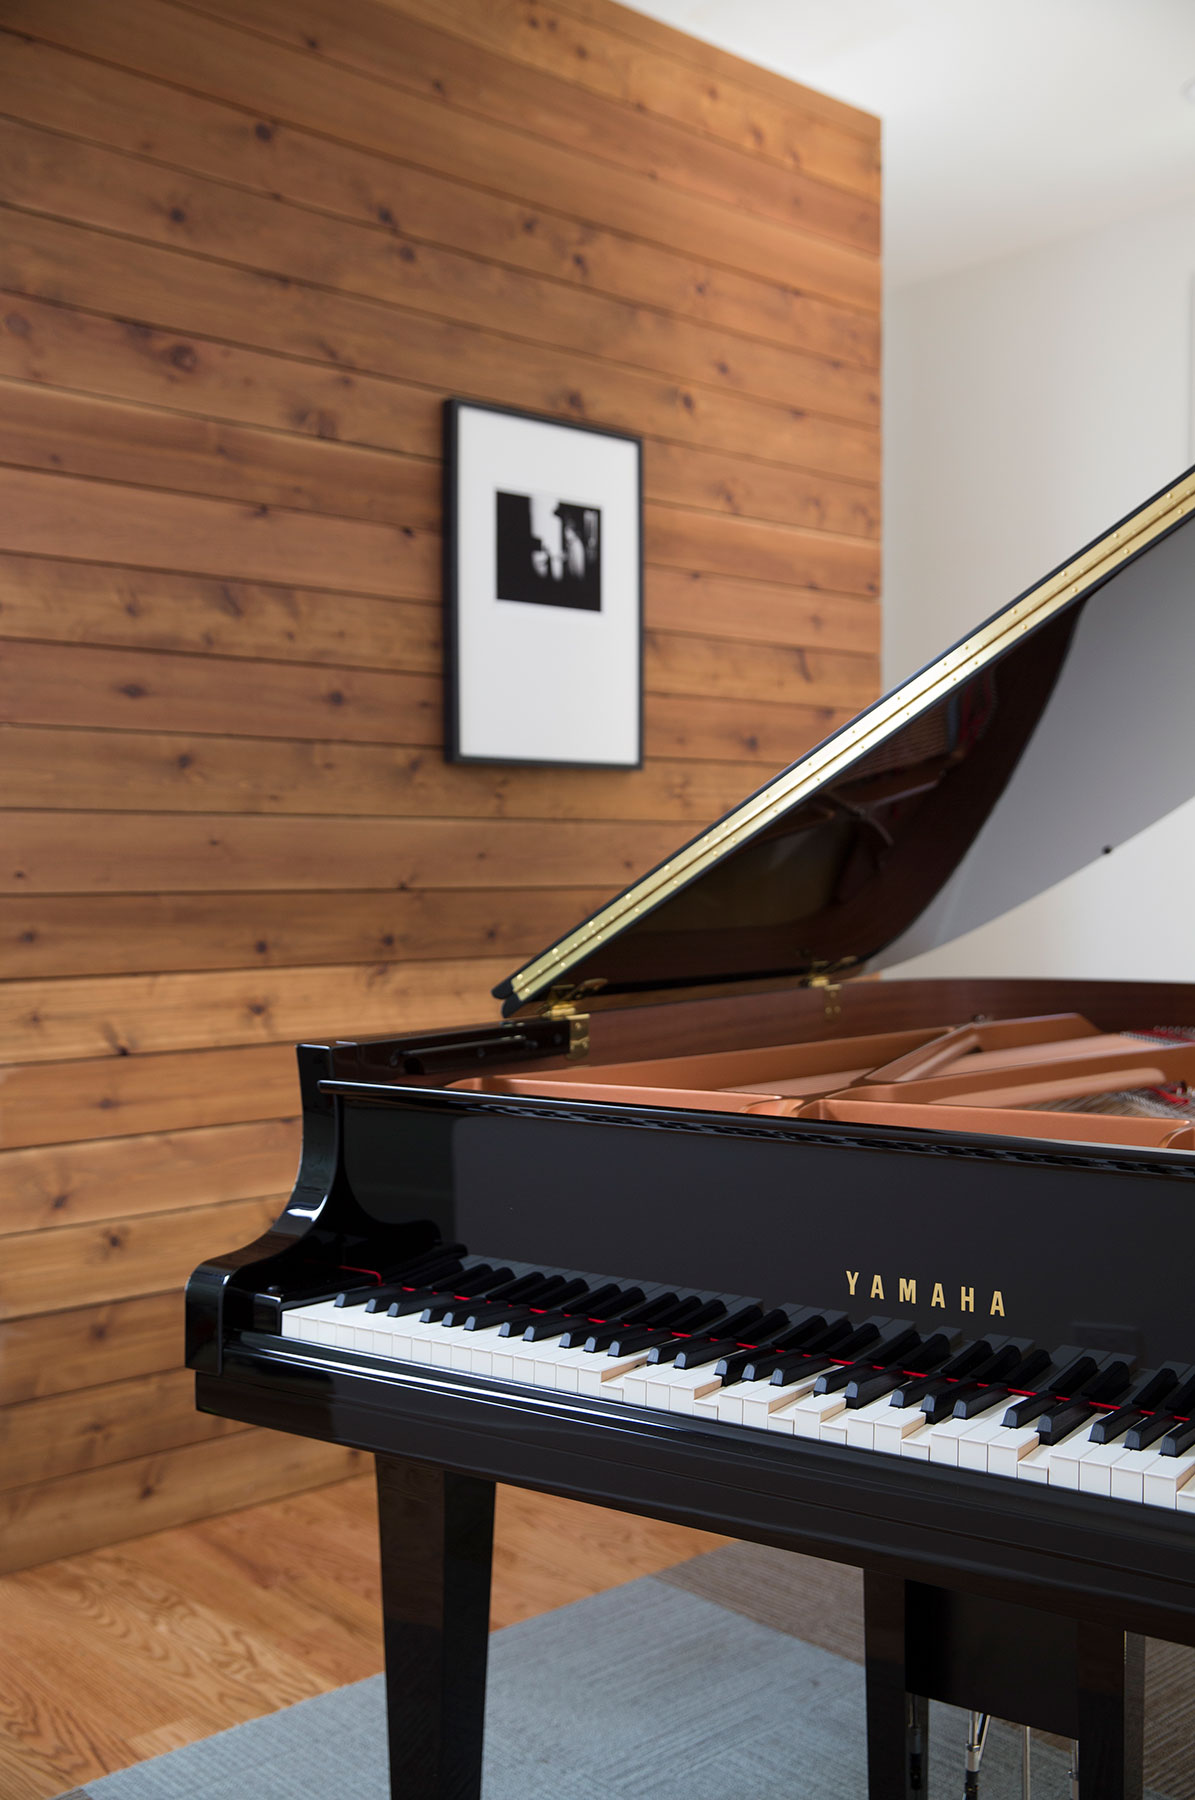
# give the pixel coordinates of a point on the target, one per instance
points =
(945, 1444)
(815, 1410)
(1129, 1472)
(313, 1324)
(1184, 1500)
(974, 1447)
(1070, 1455)
(1010, 1445)
(1167, 1478)
(916, 1444)
(766, 1399)
(1035, 1464)
(1095, 1470)
(861, 1422)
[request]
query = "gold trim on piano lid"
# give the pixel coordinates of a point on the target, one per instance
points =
(838, 752)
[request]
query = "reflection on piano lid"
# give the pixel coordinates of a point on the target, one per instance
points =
(986, 778)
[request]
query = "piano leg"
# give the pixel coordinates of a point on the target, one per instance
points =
(1082, 1681)
(436, 1532)
(1111, 1676)
(897, 1721)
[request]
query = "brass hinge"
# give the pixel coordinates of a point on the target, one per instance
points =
(831, 989)
(561, 1004)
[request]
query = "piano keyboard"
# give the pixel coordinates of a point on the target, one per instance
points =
(1085, 1420)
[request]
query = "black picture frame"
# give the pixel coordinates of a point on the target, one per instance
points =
(460, 743)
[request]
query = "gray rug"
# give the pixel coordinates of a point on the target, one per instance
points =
(646, 1692)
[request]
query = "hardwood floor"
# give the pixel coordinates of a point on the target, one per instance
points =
(120, 1654)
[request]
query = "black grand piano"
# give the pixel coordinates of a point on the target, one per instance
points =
(716, 1226)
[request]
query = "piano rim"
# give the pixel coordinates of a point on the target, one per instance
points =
(912, 1140)
(1062, 1551)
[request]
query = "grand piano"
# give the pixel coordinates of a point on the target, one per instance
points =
(718, 1224)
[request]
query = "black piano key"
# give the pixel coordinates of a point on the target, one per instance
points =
(845, 1349)
(1182, 1400)
(1061, 1421)
(938, 1403)
(635, 1312)
(1031, 1368)
(1024, 1411)
(1005, 1357)
(414, 1300)
(488, 1315)
(791, 1368)
(863, 1389)
(1110, 1426)
(1179, 1439)
(1060, 1382)
(932, 1353)
(695, 1354)
(1107, 1384)
(967, 1360)
(978, 1399)
(1151, 1428)
(597, 1305)
(472, 1284)
(914, 1390)
(430, 1283)
(890, 1348)
(733, 1359)
(817, 1338)
(421, 1271)
(689, 1316)
(1152, 1388)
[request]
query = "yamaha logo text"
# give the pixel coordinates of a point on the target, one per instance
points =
(905, 1289)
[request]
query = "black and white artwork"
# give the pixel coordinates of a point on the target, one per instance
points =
(549, 551)
(543, 590)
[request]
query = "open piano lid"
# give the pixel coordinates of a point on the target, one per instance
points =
(1058, 729)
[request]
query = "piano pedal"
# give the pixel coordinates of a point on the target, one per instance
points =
(977, 1737)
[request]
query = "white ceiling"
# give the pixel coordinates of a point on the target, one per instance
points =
(1007, 123)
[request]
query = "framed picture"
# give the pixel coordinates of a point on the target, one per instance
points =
(543, 538)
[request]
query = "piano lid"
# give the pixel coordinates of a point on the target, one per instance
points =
(1056, 730)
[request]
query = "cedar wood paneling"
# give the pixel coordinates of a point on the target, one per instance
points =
(248, 246)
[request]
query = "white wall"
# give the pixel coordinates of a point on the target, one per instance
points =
(1029, 403)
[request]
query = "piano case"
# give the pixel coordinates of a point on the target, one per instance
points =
(711, 1083)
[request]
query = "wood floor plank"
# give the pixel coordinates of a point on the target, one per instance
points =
(192, 1629)
(131, 112)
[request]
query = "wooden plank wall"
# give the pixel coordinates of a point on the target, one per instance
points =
(247, 248)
